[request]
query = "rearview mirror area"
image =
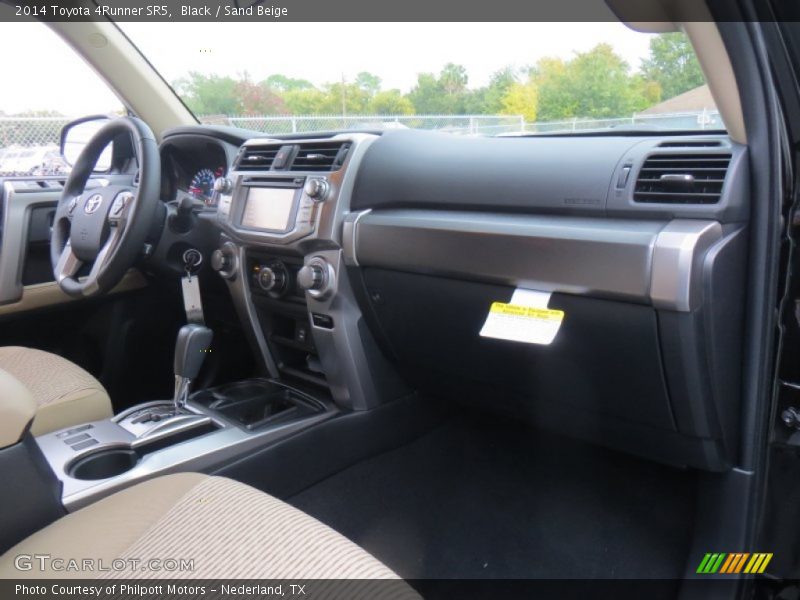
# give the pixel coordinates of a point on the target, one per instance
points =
(76, 135)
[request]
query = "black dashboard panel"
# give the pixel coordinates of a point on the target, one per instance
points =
(578, 175)
(415, 169)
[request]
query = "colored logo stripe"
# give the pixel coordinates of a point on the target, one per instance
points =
(711, 563)
(758, 563)
(734, 562)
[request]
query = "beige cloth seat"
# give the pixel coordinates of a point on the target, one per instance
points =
(230, 531)
(64, 393)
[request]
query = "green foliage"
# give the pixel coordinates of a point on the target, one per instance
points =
(446, 94)
(672, 64)
(209, 94)
(593, 84)
(304, 101)
(521, 99)
(390, 102)
(282, 83)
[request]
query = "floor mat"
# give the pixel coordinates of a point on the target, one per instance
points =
(481, 498)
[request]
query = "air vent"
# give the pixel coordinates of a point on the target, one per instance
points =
(691, 144)
(682, 178)
(257, 158)
(323, 156)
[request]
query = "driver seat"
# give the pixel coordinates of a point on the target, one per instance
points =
(64, 393)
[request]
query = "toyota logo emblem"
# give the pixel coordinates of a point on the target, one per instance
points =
(92, 204)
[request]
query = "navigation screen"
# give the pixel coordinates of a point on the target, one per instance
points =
(268, 208)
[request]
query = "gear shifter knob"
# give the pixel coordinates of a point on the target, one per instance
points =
(190, 349)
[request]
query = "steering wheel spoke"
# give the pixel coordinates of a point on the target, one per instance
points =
(91, 284)
(68, 264)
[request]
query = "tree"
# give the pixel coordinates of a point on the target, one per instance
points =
(390, 102)
(208, 94)
(453, 79)
(368, 83)
(282, 83)
(446, 94)
(304, 101)
(554, 98)
(595, 84)
(488, 100)
(672, 64)
(258, 99)
(520, 99)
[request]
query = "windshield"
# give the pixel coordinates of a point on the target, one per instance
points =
(465, 78)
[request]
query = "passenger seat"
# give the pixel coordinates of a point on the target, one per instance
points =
(230, 531)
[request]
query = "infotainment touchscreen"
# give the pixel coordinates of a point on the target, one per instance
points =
(268, 208)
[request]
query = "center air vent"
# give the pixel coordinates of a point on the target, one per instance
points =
(682, 178)
(321, 156)
(257, 158)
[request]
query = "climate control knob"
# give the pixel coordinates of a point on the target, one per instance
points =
(272, 278)
(317, 189)
(267, 279)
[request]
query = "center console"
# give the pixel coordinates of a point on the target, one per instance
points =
(282, 209)
(218, 426)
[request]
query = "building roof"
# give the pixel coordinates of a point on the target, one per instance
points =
(694, 100)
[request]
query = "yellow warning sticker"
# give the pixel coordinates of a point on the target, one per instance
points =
(520, 323)
(527, 311)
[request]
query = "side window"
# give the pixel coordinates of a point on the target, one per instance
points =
(45, 86)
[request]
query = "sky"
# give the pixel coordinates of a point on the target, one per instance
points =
(396, 52)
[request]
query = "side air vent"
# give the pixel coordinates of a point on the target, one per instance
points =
(682, 178)
(691, 144)
(257, 158)
(322, 156)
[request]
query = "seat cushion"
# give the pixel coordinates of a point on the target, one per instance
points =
(64, 393)
(230, 530)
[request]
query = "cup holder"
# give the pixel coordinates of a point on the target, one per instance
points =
(104, 464)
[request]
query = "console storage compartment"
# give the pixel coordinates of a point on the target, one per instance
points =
(256, 403)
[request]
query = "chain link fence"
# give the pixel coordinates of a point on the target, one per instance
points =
(29, 145)
(458, 124)
(689, 121)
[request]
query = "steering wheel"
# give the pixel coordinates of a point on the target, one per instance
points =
(99, 232)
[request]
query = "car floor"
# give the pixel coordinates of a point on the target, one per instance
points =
(480, 497)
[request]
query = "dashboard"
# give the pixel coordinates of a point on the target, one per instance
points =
(350, 255)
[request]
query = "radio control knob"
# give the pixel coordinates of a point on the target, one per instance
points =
(223, 185)
(317, 277)
(317, 189)
(311, 277)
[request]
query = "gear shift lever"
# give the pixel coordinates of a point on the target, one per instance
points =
(190, 351)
